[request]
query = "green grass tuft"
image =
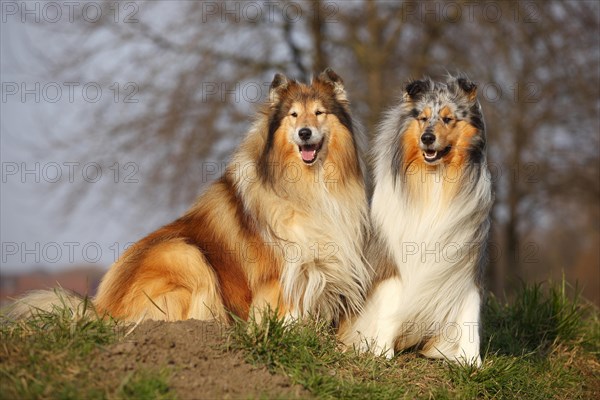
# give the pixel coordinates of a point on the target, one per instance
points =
(509, 377)
(539, 317)
(146, 385)
(38, 358)
(47, 356)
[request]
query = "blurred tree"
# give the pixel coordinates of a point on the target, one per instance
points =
(536, 63)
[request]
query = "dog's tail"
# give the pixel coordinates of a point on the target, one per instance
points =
(56, 300)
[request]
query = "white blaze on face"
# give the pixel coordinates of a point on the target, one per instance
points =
(307, 121)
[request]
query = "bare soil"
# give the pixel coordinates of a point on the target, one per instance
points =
(195, 353)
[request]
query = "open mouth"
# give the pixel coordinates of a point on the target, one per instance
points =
(309, 152)
(431, 155)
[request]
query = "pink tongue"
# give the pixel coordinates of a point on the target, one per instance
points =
(308, 152)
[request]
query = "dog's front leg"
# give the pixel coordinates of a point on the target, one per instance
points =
(458, 340)
(469, 323)
(378, 326)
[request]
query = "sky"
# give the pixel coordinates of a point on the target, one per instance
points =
(37, 228)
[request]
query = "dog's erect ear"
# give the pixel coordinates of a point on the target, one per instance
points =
(415, 89)
(330, 77)
(279, 83)
(470, 88)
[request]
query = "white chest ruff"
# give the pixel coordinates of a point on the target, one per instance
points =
(435, 246)
(323, 269)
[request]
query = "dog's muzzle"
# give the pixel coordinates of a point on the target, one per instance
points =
(309, 145)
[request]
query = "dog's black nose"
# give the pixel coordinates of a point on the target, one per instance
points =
(428, 138)
(304, 133)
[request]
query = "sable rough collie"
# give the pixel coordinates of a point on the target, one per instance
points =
(284, 227)
(430, 213)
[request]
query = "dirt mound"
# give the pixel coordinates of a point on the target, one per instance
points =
(201, 367)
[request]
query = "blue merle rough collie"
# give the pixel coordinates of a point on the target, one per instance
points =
(430, 212)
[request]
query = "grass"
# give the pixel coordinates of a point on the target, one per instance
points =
(48, 357)
(539, 317)
(543, 344)
(146, 385)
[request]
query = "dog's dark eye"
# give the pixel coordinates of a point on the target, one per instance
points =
(423, 119)
(318, 112)
(446, 120)
(294, 114)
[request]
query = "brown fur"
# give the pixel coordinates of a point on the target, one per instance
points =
(214, 236)
(218, 253)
